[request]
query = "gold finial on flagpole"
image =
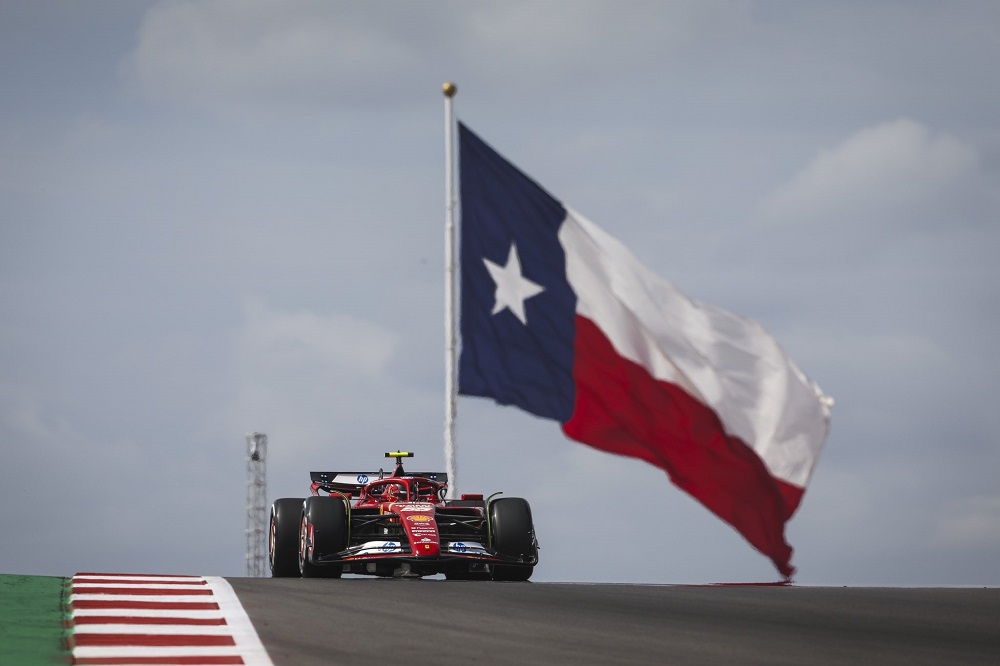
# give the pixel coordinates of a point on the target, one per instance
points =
(449, 89)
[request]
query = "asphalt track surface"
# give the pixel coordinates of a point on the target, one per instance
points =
(361, 620)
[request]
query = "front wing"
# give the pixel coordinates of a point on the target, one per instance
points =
(377, 544)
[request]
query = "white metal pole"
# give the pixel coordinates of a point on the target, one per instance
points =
(451, 394)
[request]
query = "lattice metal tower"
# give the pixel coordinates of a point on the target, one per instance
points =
(256, 504)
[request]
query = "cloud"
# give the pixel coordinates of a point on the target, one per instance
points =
(283, 342)
(888, 167)
(227, 50)
(969, 522)
(265, 53)
(578, 41)
(326, 388)
(297, 372)
(24, 419)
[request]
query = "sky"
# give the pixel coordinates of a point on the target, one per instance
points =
(227, 216)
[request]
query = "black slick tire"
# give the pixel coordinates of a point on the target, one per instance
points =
(283, 537)
(322, 531)
(514, 537)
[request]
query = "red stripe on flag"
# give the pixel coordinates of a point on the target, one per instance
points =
(163, 661)
(151, 640)
(76, 589)
(130, 619)
(125, 604)
(622, 409)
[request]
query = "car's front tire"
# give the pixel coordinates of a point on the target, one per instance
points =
(322, 531)
(283, 537)
(513, 536)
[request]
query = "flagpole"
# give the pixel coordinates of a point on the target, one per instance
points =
(451, 394)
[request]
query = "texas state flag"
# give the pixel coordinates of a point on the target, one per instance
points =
(561, 320)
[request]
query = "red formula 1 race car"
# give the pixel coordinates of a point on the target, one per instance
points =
(400, 525)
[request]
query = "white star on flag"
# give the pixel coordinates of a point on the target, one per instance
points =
(513, 289)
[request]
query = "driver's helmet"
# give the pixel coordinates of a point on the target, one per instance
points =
(394, 492)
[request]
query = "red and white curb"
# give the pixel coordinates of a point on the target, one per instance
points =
(133, 619)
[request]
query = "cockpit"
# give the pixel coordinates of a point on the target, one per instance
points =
(411, 489)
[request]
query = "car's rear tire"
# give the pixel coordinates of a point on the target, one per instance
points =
(513, 536)
(322, 531)
(283, 537)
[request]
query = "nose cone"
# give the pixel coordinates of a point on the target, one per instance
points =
(421, 528)
(426, 549)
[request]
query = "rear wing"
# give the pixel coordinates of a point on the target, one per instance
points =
(351, 483)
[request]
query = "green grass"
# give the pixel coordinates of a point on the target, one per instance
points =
(32, 620)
